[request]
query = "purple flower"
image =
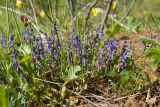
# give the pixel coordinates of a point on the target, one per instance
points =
(2, 43)
(76, 42)
(14, 56)
(102, 53)
(15, 52)
(125, 54)
(17, 67)
(38, 41)
(11, 41)
(54, 29)
(105, 55)
(101, 62)
(11, 37)
(36, 51)
(111, 47)
(87, 47)
(57, 42)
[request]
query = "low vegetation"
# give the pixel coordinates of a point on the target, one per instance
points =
(78, 53)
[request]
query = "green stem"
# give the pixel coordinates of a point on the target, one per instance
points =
(34, 13)
(155, 22)
(7, 18)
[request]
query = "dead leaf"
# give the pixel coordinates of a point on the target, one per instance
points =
(150, 101)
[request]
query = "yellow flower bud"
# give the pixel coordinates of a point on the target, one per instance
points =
(114, 6)
(96, 11)
(42, 14)
(19, 4)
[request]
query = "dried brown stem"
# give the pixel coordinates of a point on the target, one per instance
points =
(106, 14)
(89, 11)
(70, 8)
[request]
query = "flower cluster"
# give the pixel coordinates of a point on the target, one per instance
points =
(106, 55)
(52, 51)
(125, 54)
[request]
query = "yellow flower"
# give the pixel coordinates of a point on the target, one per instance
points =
(96, 11)
(19, 4)
(114, 5)
(42, 14)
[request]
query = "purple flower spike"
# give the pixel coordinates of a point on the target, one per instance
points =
(54, 29)
(125, 54)
(11, 41)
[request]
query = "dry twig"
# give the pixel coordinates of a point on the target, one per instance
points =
(89, 11)
(106, 14)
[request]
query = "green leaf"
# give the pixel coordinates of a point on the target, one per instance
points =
(114, 30)
(151, 41)
(153, 53)
(111, 73)
(3, 97)
(133, 23)
(26, 58)
(72, 72)
(17, 39)
(25, 49)
(124, 76)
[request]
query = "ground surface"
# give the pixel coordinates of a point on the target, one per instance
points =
(100, 96)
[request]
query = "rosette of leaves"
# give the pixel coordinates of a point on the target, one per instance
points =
(154, 52)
